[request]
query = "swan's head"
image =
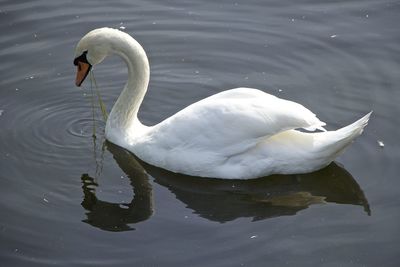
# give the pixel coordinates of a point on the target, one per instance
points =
(91, 50)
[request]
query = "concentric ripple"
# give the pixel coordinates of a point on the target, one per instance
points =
(45, 130)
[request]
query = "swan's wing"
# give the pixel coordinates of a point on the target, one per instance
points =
(233, 121)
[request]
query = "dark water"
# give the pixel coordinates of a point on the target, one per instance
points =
(69, 200)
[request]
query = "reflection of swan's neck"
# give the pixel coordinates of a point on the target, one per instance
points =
(123, 115)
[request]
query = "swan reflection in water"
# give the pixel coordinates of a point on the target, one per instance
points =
(217, 199)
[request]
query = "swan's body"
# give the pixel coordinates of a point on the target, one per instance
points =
(236, 134)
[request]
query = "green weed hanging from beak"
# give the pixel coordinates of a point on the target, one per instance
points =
(101, 103)
(102, 106)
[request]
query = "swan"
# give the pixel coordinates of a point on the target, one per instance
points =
(241, 133)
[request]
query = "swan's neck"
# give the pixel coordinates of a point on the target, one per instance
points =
(123, 116)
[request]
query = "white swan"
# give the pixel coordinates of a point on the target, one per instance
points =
(236, 134)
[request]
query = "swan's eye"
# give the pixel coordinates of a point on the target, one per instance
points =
(81, 58)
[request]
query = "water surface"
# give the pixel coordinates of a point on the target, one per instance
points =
(67, 199)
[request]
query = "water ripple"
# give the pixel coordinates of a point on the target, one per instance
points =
(339, 59)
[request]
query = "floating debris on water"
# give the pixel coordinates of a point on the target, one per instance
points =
(380, 143)
(122, 27)
(45, 200)
(1, 112)
(253, 236)
(333, 35)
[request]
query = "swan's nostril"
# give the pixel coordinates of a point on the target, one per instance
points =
(82, 71)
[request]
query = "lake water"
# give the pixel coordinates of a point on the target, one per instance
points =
(67, 199)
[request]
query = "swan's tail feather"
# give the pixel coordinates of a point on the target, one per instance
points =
(334, 142)
(355, 129)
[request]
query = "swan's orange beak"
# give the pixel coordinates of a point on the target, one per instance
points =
(82, 70)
